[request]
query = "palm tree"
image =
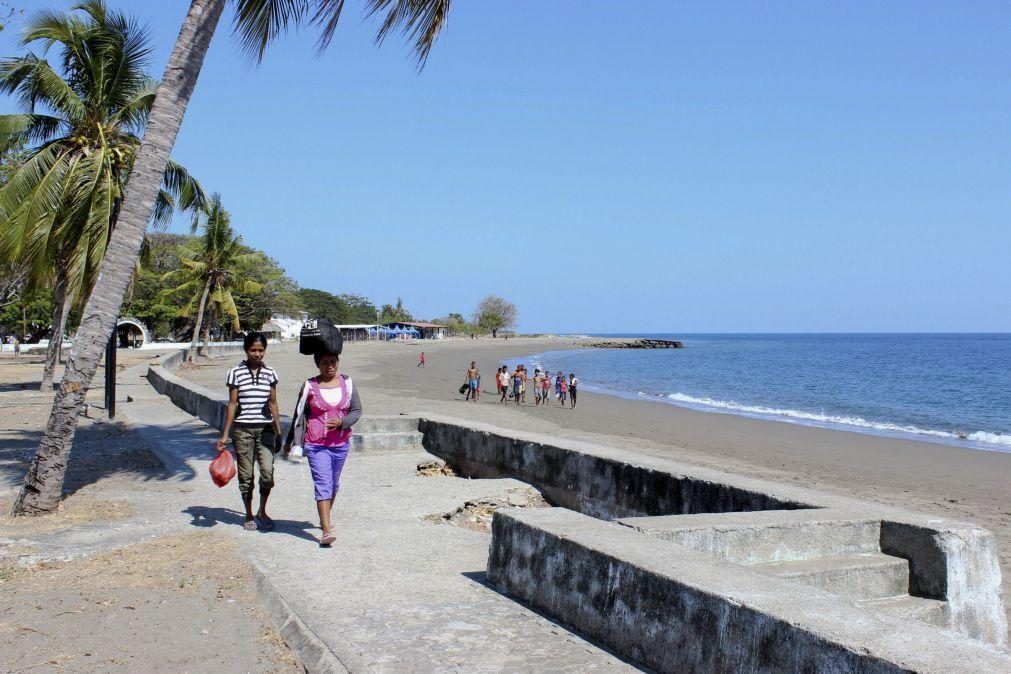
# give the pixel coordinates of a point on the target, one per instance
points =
(213, 267)
(258, 23)
(59, 207)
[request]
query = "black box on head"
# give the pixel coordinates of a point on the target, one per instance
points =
(319, 336)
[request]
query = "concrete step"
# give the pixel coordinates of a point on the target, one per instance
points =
(385, 441)
(390, 424)
(930, 611)
(757, 537)
(866, 576)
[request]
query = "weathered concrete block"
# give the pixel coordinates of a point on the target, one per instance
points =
(867, 576)
(957, 563)
(675, 609)
(767, 536)
(376, 441)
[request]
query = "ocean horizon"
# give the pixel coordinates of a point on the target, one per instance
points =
(949, 388)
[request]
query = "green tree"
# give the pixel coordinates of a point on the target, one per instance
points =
(258, 23)
(494, 314)
(455, 323)
(277, 294)
(213, 265)
(321, 304)
(83, 121)
(395, 313)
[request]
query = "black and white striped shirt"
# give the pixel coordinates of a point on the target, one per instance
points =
(254, 393)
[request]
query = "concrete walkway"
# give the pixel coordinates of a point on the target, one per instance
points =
(397, 592)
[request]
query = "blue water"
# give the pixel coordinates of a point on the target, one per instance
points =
(951, 388)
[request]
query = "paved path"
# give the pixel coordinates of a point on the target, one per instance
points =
(397, 592)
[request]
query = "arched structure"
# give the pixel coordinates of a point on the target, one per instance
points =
(127, 331)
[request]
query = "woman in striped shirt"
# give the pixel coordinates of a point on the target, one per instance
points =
(252, 409)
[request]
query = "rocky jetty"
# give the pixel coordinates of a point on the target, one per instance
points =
(637, 344)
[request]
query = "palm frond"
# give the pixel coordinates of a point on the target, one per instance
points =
(28, 129)
(259, 22)
(419, 21)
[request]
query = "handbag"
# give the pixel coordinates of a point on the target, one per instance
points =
(463, 389)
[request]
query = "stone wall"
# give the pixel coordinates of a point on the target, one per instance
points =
(599, 486)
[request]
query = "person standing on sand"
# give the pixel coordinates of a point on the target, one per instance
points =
(473, 381)
(328, 406)
(421, 360)
(537, 386)
(545, 387)
(564, 390)
(517, 383)
(502, 378)
(252, 408)
(523, 384)
(573, 385)
(558, 386)
(17, 347)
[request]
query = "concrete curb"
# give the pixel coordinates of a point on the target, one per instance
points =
(311, 651)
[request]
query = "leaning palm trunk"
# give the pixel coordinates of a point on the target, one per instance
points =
(200, 320)
(43, 484)
(61, 310)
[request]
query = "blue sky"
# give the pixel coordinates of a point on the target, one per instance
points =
(653, 166)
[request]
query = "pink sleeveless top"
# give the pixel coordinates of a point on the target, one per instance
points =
(316, 432)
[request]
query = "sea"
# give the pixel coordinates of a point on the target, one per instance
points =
(948, 388)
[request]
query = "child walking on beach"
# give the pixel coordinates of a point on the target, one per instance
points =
(252, 409)
(573, 385)
(328, 406)
(545, 387)
(564, 390)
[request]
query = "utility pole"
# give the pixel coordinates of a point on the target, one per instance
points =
(110, 374)
(24, 324)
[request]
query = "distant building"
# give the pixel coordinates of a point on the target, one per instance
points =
(425, 330)
(284, 327)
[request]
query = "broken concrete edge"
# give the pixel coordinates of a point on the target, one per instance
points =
(614, 483)
(675, 609)
(312, 652)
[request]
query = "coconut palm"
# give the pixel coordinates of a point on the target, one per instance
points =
(213, 267)
(258, 23)
(58, 209)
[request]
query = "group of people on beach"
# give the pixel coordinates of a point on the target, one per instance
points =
(513, 385)
(328, 406)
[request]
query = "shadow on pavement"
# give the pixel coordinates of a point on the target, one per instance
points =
(101, 451)
(206, 517)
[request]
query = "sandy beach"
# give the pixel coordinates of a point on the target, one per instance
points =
(954, 482)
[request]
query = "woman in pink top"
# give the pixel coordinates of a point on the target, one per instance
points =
(328, 406)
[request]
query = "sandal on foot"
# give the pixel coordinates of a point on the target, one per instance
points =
(328, 538)
(265, 522)
(250, 525)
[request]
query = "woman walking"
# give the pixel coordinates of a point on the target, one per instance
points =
(328, 406)
(252, 409)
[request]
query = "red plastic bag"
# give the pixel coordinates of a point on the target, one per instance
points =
(223, 468)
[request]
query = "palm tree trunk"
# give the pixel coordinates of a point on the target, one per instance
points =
(43, 484)
(200, 319)
(61, 308)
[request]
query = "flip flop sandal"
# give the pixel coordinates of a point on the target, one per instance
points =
(250, 525)
(329, 538)
(265, 523)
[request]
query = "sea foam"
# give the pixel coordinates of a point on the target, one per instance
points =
(814, 418)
